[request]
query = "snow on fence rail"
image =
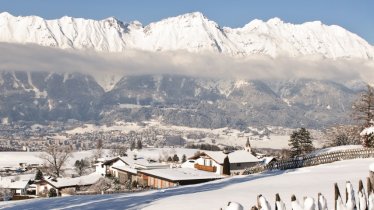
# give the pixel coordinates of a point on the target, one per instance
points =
(361, 202)
(312, 160)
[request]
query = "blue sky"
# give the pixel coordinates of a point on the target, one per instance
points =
(356, 16)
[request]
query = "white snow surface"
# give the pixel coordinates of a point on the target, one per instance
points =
(82, 180)
(367, 131)
(336, 149)
(177, 174)
(12, 159)
(216, 194)
(7, 183)
(126, 168)
(239, 156)
(192, 32)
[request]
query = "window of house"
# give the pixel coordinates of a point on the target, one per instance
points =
(238, 164)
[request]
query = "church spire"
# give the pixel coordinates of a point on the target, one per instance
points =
(247, 145)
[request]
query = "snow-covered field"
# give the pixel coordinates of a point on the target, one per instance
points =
(223, 136)
(12, 159)
(214, 195)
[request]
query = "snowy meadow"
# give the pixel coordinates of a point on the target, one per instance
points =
(214, 195)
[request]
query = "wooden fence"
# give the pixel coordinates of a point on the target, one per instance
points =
(353, 201)
(312, 160)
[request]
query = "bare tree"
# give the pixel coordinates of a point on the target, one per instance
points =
(342, 135)
(5, 194)
(81, 166)
(98, 153)
(118, 150)
(363, 111)
(55, 158)
(363, 108)
(102, 185)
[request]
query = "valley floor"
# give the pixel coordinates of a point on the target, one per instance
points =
(214, 195)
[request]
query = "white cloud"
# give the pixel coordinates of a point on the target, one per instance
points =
(132, 62)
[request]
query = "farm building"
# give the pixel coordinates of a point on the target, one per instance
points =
(165, 178)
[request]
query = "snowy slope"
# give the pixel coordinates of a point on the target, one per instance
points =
(67, 32)
(192, 32)
(215, 195)
(275, 38)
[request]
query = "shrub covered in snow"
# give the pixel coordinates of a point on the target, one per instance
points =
(52, 192)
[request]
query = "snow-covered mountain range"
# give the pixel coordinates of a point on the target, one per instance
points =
(31, 94)
(192, 32)
(175, 100)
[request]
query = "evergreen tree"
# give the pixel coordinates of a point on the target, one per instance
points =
(306, 141)
(226, 166)
(81, 166)
(294, 143)
(139, 144)
(39, 175)
(300, 142)
(132, 145)
(170, 159)
(184, 158)
(175, 158)
(370, 140)
(99, 144)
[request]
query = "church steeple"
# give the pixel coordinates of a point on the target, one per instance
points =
(247, 145)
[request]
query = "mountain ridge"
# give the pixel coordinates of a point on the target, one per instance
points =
(193, 32)
(40, 97)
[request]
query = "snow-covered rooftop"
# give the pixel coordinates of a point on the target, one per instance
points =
(178, 174)
(239, 156)
(142, 163)
(9, 184)
(78, 181)
(267, 160)
(367, 131)
(126, 168)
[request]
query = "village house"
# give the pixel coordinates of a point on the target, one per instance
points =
(212, 161)
(16, 187)
(126, 168)
(19, 184)
(103, 164)
(59, 184)
(268, 160)
(124, 173)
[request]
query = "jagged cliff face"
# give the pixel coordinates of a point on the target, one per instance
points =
(192, 32)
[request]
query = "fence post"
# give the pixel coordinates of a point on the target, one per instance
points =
(337, 195)
(371, 175)
(322, 202)
(369, 185)
(254, 208)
